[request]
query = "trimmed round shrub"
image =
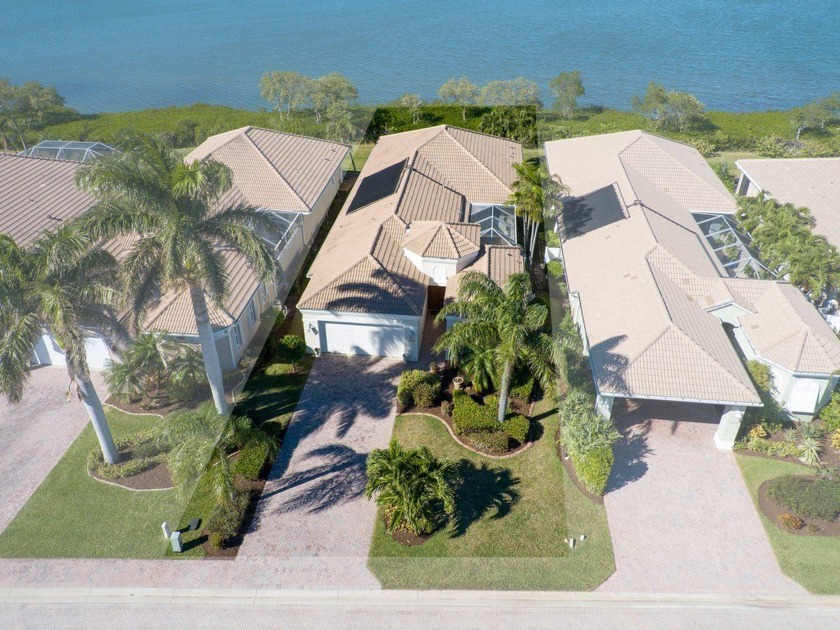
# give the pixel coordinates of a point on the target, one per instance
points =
(227, 517)
(517, 428)
(410, 380)
(806, 496)
(495, 442)
(426, 394)
(470, 417)
(594, 468)
(446, 408)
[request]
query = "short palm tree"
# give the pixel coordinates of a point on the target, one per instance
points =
(202, 440)
(536, 194)
(61, 283)
(169, 207)
(510, 322)
(413, 487)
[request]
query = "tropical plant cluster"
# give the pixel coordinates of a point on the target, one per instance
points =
(415, 489)
(588, 439)
(786, 243)
(226, 519)
(156, 370)
(478, 424)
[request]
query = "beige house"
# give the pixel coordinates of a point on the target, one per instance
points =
(429, 204)
(663, 312)
(295, 177)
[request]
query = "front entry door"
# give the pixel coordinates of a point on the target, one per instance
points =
(436, 297)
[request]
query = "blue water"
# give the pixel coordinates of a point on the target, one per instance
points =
(110, 55)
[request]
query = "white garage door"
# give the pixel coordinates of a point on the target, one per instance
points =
(48, 352)
(366, 339)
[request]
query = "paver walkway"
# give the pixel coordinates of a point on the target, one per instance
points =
(313, 511)
(680, 515)
(35, 434)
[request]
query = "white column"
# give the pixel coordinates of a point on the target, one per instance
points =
(604, 405)
(730, 423)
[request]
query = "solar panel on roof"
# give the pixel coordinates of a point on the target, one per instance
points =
(377, 186)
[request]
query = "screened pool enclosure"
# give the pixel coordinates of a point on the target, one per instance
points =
(498, 223)
(731, 246)
(69, 150)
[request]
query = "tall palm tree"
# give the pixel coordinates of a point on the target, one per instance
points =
(60, 283)
(510, 321)
(203, 439)
(536, 194)
(169, 207)
(412, 486)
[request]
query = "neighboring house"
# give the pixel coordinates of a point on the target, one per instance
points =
(295, 177)
(37, 194)
(661, 309)
(429, 205)
(813, 183)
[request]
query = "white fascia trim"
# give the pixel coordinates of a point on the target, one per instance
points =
(678, 399)
(323, 313)
(741, 168)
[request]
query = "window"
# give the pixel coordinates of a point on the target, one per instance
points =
(252, 312)
(263, 292)
(237, 335)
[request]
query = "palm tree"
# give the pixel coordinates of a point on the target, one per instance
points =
(60, 283)
(202, 440)
(510, 322)
(536, 195)
(412, 486)
(148, 192)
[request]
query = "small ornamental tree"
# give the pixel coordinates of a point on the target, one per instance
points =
(415, 489)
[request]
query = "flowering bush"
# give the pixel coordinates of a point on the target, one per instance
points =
(789, 522)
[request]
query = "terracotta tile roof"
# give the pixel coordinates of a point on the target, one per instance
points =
(447, 169)
(497, 261)
(273, 169)
(38, 194)
(435, 239)
(810, 182)
(646, 277)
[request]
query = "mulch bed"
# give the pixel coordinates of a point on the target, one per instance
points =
(155, 478)
(829, 457)
(516, 405)
(407, 539)
(570, 470)
(810, 527)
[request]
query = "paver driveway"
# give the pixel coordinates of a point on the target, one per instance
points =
(35, 434)
(680, 516)
(313, 514)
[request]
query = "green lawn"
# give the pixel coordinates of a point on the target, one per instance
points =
(73, 515)
(516, 514)
(812, 561)
(269, 398)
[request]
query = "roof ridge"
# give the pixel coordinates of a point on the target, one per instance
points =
(474, 156)
(274, 168)
(476, 132)
(682, 166)
(39, 157)
(298, 135)
(714, 360)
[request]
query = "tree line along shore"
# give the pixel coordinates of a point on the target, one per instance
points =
(328, 107)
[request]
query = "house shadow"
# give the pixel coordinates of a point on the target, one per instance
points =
(482, 489)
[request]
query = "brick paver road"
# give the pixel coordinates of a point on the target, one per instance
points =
(680, 515)
(313, 511)
(35, 434)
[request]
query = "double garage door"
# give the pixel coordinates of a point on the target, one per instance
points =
(48, 352)
(366, 339)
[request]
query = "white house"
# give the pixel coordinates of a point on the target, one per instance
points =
(428, 205)
(663, 307)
